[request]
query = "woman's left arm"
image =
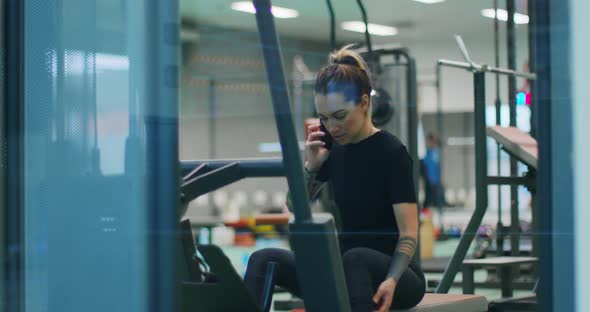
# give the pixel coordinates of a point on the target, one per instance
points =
(406, 215)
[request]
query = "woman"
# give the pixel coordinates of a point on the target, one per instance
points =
(371, 175)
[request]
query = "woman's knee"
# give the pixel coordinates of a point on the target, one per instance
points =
(355, 256)
(410, 290)
(259, 257)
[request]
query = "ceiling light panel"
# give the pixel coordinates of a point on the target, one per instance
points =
(503, 16)
(278, 12)
(430, 1)
(374, 29)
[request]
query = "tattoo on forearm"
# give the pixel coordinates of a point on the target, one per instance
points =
(313, 188)
(406, 247)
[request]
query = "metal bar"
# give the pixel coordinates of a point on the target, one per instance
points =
(439, 127)
(486, 68)
(413, 130)
(465, 151)
(439, 112)
(506, 280)
(531, 10)
(562, 69)
(499, 224)
(508, 181)
(394, 65)
(468, 282)
(511, 46)
(268, 289)
(201, 169)
(137, 85)
(395, 51)
(332, 25)
(413, 117)
(282, 110)
(212, 120)
(161, 129)
(250, 168)
(497, 59)
(511, 49)
(211, 181)
(481, 175)
(12, 156)
(463, 50)
(542, 96)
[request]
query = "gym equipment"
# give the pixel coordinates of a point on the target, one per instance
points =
(381, 107)
(504, 265)
(518, 145)
(210, 296)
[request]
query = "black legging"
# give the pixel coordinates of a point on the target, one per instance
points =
(364, 268)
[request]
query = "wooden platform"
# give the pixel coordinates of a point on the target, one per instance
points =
(443, 303)
(517, 143)
(450, 303)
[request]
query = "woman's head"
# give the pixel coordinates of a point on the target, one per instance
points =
(342, 96)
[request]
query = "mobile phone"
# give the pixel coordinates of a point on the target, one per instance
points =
(327, 138)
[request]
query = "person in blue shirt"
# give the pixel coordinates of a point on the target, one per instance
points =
(433, 188)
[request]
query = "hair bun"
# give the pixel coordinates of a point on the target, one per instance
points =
(346, 60)
(347, 56)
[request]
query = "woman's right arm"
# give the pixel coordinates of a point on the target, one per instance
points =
(316, 155)
(313, 188)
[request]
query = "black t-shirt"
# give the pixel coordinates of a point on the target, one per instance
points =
(368, 177)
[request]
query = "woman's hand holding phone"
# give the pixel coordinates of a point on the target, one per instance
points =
(316, 149)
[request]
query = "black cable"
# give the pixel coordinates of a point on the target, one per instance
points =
(367, 35)
(332, 25)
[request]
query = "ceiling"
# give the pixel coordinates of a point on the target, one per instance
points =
(415, 21)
